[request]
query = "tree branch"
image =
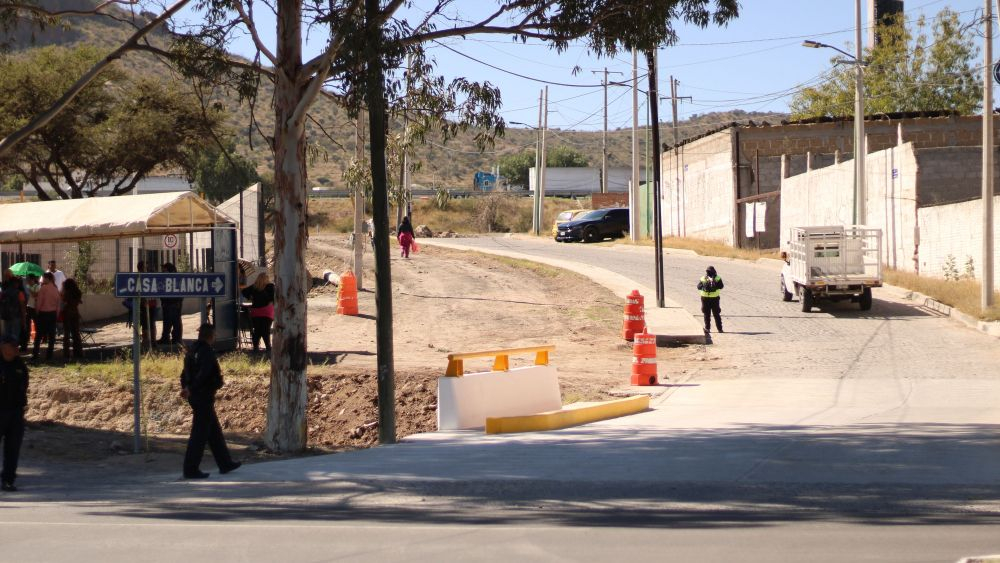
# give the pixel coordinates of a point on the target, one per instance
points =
(43, 12)
(43, 119)
(252, 28)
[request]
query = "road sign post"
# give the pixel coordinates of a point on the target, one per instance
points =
(139, 285)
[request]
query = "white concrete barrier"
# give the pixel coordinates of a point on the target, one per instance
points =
(466, 401)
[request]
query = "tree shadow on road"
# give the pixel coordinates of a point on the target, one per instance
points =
(749, 475)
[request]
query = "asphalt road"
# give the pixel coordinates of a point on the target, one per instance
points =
(830, 436)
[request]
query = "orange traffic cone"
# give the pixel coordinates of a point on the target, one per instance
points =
(644, 359)
(635, 317)
(347, 294)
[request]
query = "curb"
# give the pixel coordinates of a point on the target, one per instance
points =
(570, 415)
(990, 328)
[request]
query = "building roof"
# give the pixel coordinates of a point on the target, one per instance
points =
(107, 218)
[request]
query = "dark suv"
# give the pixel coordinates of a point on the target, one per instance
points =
(595, 226)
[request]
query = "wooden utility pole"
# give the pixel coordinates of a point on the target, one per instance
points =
(604, 135)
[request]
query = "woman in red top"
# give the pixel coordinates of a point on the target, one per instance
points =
(261, 296)
(46, 308)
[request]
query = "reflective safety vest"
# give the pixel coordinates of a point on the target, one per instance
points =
(715, 292)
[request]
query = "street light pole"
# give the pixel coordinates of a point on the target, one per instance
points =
(860, 151)
(986, 297)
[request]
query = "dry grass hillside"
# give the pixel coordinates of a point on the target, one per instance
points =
(451, 165)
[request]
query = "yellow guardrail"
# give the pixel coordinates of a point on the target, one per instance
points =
(501, 358)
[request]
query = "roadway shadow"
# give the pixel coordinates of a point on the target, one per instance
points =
(880, 310)
(743, 476)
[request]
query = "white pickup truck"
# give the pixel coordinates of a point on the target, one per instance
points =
(832, 263)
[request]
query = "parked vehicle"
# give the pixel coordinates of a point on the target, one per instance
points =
(564, 217)
(595, 226)
(834, 263)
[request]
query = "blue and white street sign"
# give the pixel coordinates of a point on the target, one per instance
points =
(133, 284)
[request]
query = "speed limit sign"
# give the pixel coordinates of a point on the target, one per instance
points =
(170, 242)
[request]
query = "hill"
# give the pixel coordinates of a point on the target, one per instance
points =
(449, 165)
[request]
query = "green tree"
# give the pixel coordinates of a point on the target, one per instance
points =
(908, 71)
(516, 167)
(221, 174)
(117, 131)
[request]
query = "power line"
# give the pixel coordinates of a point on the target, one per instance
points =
(524, 76)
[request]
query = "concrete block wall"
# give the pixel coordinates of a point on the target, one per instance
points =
(698, 194)
(957, 230)
(951, 174)
(825, 196)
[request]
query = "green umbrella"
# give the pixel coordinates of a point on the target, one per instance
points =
(22, 269)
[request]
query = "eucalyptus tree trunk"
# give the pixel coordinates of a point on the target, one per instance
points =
(375, 98)
(286, 409)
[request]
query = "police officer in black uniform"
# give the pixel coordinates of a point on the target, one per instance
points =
(200, 379)
(13, 401)
(710, 288)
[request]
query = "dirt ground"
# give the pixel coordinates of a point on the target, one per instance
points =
(443, 301)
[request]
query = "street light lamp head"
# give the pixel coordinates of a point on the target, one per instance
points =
(812, 44)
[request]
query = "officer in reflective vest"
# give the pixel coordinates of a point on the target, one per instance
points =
(710, 288)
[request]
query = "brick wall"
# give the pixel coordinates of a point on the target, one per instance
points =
(954, 230)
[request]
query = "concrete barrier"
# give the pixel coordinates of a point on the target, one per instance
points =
(467, 401)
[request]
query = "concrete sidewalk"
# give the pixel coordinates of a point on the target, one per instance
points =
(855, 431)
(671, 323)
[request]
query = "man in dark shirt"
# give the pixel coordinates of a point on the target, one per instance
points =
(13, 400)
(171, 308)
(200, 379)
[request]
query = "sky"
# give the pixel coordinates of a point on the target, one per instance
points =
(755, 63)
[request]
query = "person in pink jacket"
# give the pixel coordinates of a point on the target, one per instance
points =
(46, 310)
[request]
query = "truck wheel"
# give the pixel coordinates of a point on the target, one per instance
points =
(590, 235)
(785, 294)
(865, 301)
(807, 300)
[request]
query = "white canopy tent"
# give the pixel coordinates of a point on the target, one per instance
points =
(108, 218)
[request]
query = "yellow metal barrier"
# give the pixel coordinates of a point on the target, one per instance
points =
(501, 358)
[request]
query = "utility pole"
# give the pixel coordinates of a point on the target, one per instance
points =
(535, 220)
(654, 117)
(677, 173)
(359, 205)
(860, 150)
(604, 136)
(986, 300)
(633, 192)
(541, 183)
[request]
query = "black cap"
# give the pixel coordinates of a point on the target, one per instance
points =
(8, 339)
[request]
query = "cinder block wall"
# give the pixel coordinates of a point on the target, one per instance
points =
(698, 189)
(955, 230)
(695, 176)
(826, 197)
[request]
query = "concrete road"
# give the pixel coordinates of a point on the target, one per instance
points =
(830, 436)
(767, 337)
